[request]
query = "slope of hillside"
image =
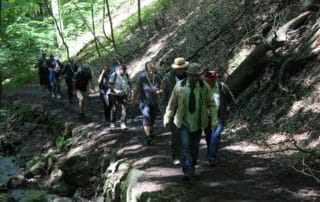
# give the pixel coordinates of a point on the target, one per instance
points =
(269, 149)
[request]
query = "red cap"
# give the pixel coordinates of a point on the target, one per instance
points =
(211, 75)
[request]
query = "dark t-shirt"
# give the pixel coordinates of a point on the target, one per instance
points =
(43, 66)
(148, 88)
(82, 80)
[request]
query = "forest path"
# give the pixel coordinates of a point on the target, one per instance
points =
(243, 173)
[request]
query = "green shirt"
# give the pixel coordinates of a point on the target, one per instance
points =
(192, 121)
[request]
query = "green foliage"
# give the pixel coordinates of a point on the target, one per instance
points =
(8, 170)
(63, 142)
(27, 29)
(28, 195)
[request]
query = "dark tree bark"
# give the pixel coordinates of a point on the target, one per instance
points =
(139, 15)
(251, 67)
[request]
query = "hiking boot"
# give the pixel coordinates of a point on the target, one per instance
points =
(212, 164)
(186, 177)
(112, 125)
(123, 126)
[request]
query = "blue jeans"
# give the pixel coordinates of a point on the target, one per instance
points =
(189, 148)
(213, 140)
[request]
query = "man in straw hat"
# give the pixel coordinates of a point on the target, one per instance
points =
(178, 73)
(190, 105)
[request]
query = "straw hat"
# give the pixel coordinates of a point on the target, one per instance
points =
(179, 63)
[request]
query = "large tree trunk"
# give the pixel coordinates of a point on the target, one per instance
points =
(139, 14)
(58, 29)
(251, 67)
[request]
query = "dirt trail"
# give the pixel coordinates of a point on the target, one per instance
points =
(242, 174)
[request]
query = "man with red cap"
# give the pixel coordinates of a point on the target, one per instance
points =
(223, 98)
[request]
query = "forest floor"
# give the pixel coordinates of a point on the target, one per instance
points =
(244, 172)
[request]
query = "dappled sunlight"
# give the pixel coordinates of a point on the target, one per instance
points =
(296, 106)
(314, 143)
(76, 151)
(244, 147)
(303, 193)
(277, 138)
(131, 149)
(137, 65)
(254, 170)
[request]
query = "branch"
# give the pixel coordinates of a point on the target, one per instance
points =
(306, 170)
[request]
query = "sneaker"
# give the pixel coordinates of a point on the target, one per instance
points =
(112, 125)
(123, 126)
(176, 162)
(186, 177)
(52, 95)
(58, 96)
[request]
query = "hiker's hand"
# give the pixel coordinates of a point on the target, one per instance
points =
(117, 91)
(165, 125)
(213, 127)
(158, 92)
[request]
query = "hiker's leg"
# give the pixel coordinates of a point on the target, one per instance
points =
(70, 90)
(114, 107)
(194, 144)
(123, 102)
(215, 137)
(146, 122)
(208, 133)
(105, 101)
(80, 96)
(185, 153)
(58, 87)
(175, 142)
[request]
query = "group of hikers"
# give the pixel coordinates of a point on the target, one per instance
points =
(195, 101)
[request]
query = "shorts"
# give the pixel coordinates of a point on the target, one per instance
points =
(81, 95)
(149, 113)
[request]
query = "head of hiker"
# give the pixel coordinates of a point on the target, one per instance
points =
(179, 66)
(194, 72)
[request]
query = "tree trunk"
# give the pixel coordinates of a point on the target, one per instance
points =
(94, 30)
(139, 15)
(59, 23)
(58, 29)
(111, 27)
(250, 68)
(0, 35)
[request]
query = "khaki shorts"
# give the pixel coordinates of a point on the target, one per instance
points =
(81, 95)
